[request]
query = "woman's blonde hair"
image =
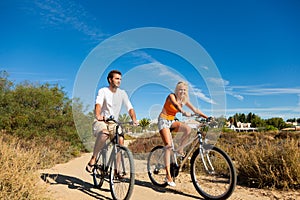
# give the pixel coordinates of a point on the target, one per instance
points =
(184, 98)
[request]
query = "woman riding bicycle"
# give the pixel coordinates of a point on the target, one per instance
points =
(174, 103)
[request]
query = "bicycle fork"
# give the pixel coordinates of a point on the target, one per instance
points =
(204, 154)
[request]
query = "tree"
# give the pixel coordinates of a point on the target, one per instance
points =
(144, 123)
(124, 118)
(257, 122)
(33, 110)
(242, 118)
(249, 117)
(276, 122)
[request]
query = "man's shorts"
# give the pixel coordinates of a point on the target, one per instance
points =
(164, 123)
(99, 126)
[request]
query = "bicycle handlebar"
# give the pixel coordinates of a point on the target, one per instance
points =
(209, 119)
(111, 119)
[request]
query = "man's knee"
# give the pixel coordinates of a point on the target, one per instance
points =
(103, 135)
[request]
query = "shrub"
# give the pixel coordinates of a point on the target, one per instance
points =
(263, 161)
(144, 145)
(19, 177)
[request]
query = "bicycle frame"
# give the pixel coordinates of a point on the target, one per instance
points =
(114, 142)
(197, 141)
(211, 167)
(116, 168)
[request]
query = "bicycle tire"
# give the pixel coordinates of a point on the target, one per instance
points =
(213, 184)
(122, 175)
(99, 171)
(156, 166)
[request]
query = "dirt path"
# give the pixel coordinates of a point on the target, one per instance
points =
(70, 182)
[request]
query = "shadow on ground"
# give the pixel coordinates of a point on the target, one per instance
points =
(164, 190)
(85, 187)
(74, 184)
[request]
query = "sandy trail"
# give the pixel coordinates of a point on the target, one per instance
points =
(70, 181)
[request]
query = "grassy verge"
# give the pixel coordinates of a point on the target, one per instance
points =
(18, 166)
(265, 160)
(262, 160)
(20, 161)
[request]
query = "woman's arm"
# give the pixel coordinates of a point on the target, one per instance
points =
(195, 110)
(175, 103)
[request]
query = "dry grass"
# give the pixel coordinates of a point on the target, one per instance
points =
(18, 178)
(265, 160)
(20, 161)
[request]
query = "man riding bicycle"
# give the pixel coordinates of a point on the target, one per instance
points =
(109, 102)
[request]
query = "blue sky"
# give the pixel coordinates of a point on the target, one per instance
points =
(255, 45)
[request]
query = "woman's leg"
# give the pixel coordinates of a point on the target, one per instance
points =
(181, 127)
(165, 135)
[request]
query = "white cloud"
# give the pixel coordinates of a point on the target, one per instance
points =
(271, 91)
(198, 93)
(262, 90)
(218, 81)
(241, 92)
(239, 97)
(265, 112)
(204, 67)
(58, 12)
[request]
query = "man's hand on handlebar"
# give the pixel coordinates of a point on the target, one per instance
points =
(100, 118)
(135, 123)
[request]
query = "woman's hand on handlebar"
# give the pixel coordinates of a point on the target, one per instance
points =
(186, 114)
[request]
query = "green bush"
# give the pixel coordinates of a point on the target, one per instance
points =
(34, 111)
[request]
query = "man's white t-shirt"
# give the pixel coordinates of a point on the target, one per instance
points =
(111, 103)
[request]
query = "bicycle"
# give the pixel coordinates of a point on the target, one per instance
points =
(212, 171)
(117, 169)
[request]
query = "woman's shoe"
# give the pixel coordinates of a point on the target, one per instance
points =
(172, 184)
(181, 154)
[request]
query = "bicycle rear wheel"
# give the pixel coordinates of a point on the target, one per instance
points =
(99, 171)
(122, 174)
(156, 166)
(213, 174)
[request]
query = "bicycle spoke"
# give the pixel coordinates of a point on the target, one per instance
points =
(213, 175)
(99, 171)
(156, 166)
(122, 174)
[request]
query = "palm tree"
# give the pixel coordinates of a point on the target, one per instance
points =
(144, 123)
(124, 118)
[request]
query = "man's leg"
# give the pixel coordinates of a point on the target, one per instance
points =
(101, 133)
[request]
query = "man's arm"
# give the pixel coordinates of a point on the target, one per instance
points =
(132, 115)
(98, 112)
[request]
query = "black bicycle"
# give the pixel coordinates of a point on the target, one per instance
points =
(115, 164)
(212, 171)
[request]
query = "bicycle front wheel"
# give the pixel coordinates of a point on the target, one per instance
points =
(156, 166)
(213, 173)
(122, 174)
